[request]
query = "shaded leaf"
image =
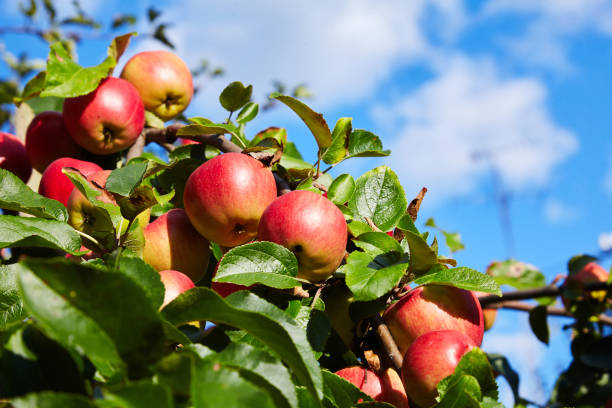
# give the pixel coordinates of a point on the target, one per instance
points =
(315, 121)
(17, 196)
(422, 256)
(538, 323)
(11, 306)
(235, 96)
(48, 399)
(338, 150)
(37, 232)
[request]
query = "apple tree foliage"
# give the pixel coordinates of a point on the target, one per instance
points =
(91, 333)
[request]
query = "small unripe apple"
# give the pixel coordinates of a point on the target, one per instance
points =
(171, 242)
(47, 139)
(175, 283)
(434, 307)
(84, 216)
(56, 185)
(163, 81)
(385, 387)
(489, 314)
(338, 299)
(226, 196)
(13, 156)
(309, 225)
(107, 120)
(432, 357)
(590, 273)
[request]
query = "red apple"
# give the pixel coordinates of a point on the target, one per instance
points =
(163, 81)
(13, 156)
(187, 141)
(432, 357)
(385, 387)
(47, 139)
(434, 307)
(175, 283)
(590, 273)
(226, 196)
(312, 227)
(56, 185)
(107, 120)
(171, 242)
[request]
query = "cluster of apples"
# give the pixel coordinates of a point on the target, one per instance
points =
(231, 199)
(105, 121)
(433, 327)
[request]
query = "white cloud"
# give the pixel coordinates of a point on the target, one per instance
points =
(556, 211)
(342, 50)
(551, 24)
(469, 121)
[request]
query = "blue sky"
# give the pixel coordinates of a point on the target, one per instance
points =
(474, 98)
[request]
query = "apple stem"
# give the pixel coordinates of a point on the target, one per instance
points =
(92, 239)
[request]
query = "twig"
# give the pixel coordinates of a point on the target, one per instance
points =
(372, 225)
(137, 148)
(547, 291)
(553, 311)
(387, 342)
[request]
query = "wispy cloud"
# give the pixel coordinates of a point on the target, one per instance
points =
(470, 122)
(556, 211)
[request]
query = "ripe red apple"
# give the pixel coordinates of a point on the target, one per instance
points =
(590, 273)
(434, 307)
(171, 242)
(432, 357)
(47, 139)
(386, 387)
(107, 120)
(312, 227)
(56, 185)
(226, 196)
(175, 283)
(13, 156)
(163, 81)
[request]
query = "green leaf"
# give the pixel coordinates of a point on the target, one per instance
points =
(119, 45)
(15, 195)
(463, 278)
(248, 113)
(341, 189)
(48, 399)
(537, 321)
(342, 393)
(269, 372)
(216, 385)
(371, 277)
(124, 180)
(577, 262)
(36, 232)
(365, 144)
(65, 78)
(406, 224)
(263, 320)
(518, 275)
(235, 96)
(312, 119)
(338, 150)
(154, 121)
(140, 395)
(143, 275)
(380, 197)
(266, 136)
(213, 128)
(476, 364)
(422, 256)
(260, 262)
(379, 243)
(11, 306)
(357, 228)
(463, 391)
(103, 314)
